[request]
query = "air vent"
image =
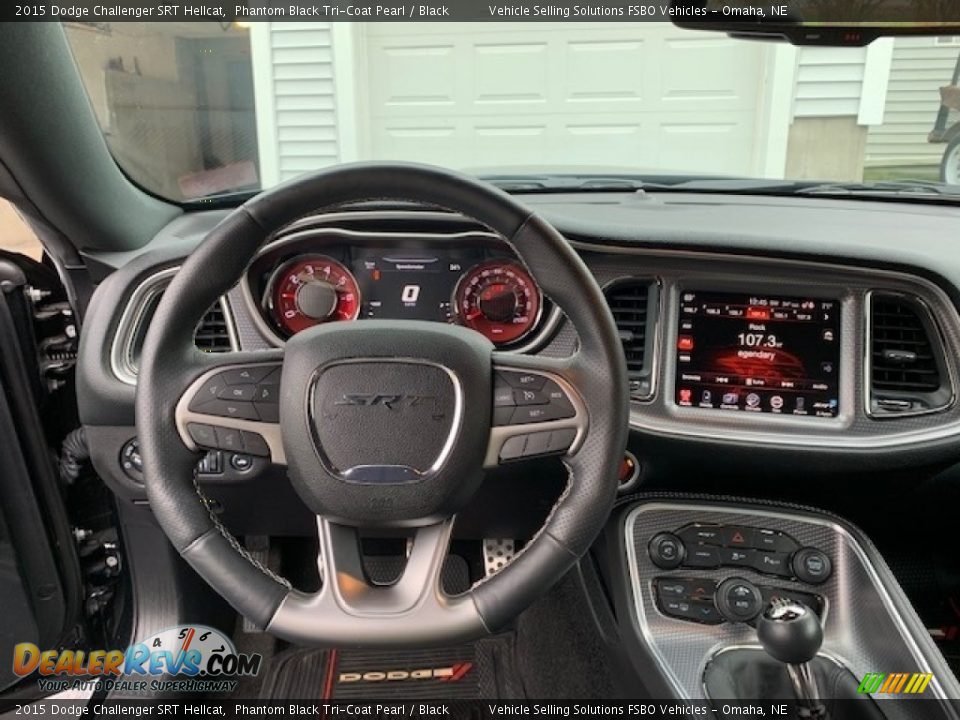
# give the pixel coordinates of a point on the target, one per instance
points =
(213, 333)
(631, 303)
(906, 362)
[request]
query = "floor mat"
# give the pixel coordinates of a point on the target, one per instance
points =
(479, 670)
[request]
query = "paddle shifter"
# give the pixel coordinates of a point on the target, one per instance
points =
(791, 633)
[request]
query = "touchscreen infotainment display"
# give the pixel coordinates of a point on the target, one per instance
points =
(758, 353)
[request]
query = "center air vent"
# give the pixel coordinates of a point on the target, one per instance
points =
(906, 358)
(213, 333)
(632, 303)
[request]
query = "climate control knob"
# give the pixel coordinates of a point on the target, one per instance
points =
(738, 600)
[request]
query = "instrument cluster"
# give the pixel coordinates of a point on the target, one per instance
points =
(473, 280)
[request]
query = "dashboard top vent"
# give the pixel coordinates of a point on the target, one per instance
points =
(906, 360)
(631, 304)
(213, 333)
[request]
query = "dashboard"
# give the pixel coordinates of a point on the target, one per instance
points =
(792, 336)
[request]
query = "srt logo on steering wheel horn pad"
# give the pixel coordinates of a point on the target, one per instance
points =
(391, 402)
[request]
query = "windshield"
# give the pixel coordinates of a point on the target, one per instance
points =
(197, 110)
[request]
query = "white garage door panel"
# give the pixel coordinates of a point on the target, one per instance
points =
(646, 96)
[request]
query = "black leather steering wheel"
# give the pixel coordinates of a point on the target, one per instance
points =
(358, 460)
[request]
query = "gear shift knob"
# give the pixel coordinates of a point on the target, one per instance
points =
(790, 632)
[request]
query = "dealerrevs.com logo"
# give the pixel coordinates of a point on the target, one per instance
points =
(186, 658)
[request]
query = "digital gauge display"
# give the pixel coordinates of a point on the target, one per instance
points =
(758, 353)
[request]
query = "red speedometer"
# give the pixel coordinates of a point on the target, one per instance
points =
(310, 290)
(499, 299)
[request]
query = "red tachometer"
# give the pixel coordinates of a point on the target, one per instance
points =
(499, 299)
(310, 290)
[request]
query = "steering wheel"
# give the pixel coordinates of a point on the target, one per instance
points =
(381, 424)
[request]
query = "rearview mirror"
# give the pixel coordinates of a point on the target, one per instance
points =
(819, 22)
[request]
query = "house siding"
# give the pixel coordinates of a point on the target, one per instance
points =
(829, 81)
(920, 67)
(299, 108)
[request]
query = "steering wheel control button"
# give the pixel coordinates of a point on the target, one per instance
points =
(557, 398)
(811, 565)
(529, 397)
(503, 396)
(523, 381)
(703, 556)
(561, 440)
(666, 551)
(254, 444)
(738, 600)
(202, 435)
(531, 445)
(229, 439)
(248, 375)
(238, 393)
(503, 415)
(210, 391)
(230, 409)
(513, 448)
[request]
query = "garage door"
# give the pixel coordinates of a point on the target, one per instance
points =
(646, 96)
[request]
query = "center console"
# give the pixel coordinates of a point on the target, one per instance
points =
(703, 574)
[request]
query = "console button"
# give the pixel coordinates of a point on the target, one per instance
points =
(705, 611)
(737, 558)
(774, 541)
(811, 565)
(773, 563)
(525, 381)
(666, 551)
(230, 409)
(248, 375)
(707, 534)
(254, 444)
(202, 435)
(241, 463)
(673, 588)
(238, 392)
(703, 556)
(738, 600)
(229, 439)
(736, 536)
